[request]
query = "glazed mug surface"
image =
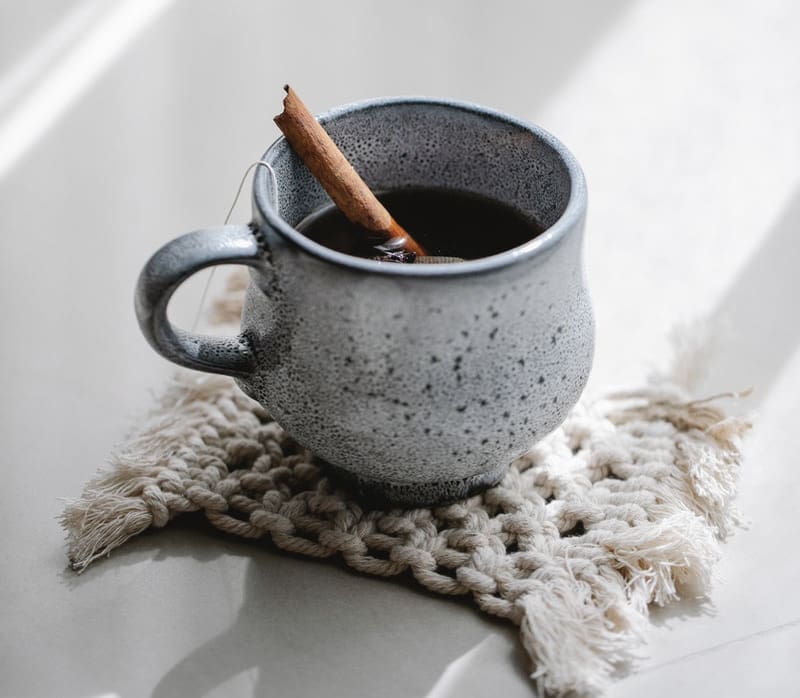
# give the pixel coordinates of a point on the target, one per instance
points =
(419, 383)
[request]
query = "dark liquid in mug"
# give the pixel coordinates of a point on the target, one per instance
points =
(446, 222)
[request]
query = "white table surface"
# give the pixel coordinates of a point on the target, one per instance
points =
(124, 123)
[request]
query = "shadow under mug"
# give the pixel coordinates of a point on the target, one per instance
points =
(417, 383)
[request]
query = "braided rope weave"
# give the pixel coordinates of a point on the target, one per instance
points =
(622, 506)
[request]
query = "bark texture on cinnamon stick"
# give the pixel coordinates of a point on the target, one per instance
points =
(336, 175)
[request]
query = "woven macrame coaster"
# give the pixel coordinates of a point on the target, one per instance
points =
(623, 506)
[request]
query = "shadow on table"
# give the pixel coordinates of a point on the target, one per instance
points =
(758, 315)
(306, 627)
(682, 610)
(178, 540)
(309, 627)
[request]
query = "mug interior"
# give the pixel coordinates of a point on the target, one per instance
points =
(423, 144)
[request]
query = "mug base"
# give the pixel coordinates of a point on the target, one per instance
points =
(382, 494)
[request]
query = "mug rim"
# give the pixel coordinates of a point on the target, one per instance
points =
(568, 220)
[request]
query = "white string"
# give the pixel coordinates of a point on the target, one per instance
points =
(249, 169)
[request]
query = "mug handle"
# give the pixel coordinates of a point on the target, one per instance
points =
(167, 269)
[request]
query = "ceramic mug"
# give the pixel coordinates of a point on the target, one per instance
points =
(418, 383)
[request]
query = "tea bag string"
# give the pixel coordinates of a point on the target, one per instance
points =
(210, 278)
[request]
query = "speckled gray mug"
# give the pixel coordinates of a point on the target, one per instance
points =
(418, 383)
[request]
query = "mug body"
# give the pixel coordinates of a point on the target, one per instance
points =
(421, 383)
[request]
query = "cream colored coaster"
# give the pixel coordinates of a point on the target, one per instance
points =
(621, 507)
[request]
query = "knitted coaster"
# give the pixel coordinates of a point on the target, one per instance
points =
(621, 507)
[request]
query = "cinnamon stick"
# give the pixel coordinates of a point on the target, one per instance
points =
(336, 175)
